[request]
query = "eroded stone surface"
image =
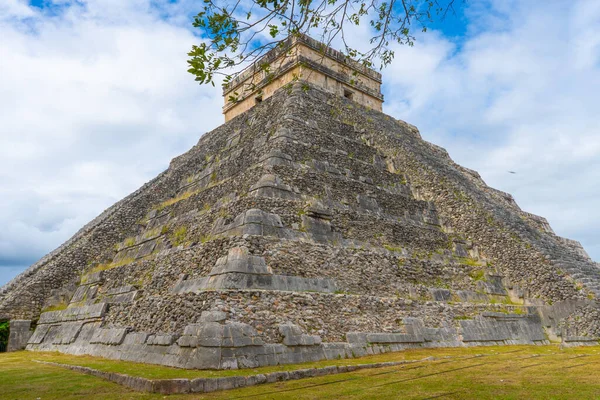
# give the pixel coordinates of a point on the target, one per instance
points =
(307, 229)
(19, 335)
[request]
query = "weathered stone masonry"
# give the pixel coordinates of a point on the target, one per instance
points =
(307, 228)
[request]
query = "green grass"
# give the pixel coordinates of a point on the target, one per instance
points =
(469, 261)
(56, 307)
(179, 236)
(104, 267)
(170, 202)
(152, 233)
(392, 248)
(477, 275)
(511, 372)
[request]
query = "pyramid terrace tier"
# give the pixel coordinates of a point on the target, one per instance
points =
(258, 328)
(256, 261)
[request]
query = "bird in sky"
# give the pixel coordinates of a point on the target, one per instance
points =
(511, 172)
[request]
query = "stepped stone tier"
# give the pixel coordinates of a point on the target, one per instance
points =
(309, 227)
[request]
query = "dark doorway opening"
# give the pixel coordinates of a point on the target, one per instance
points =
(4, 331)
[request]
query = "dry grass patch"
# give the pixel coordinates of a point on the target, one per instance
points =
(182, 196)
(510, 372)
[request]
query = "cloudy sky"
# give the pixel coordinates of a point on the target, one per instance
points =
(95, 100)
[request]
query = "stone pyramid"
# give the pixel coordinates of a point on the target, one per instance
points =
(309, 227)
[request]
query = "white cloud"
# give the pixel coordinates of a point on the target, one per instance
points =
(95, 100)
(15, 9)
(519, 96)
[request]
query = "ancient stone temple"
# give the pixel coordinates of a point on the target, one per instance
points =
(310, 226)
(301, 58)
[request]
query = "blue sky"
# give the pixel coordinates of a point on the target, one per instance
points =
(95, 100)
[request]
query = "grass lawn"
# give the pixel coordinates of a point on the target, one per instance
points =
(515, 372)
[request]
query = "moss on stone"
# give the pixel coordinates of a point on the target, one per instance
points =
(178, 237)
(477, 275)
(183, 196)
(104, 267)
(56, 307)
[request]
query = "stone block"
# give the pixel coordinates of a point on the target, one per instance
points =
(228, 363)
(211, 335)
(252, 229)
(310, 340)
(289, 330)
(213, 316)
(472, 296)
(187, 341)
(247, 362)
(394, 338)
(253, 380)
(198, 385)
(277, 376)
(135, 338)
(501, 328)
(244, 281)
(171, 386)
(151, 214)
(95, 278)
(231, 382)
(67, 332)
(240, 260)
(91, 293)
(146, 249)
(379, 162)
(80, 294)
(325, 371)
(356, 337)
(211, 385)
(494, 285)
(139, 384)
(19, 334)
(272, 186)
(368, 204)
(333, 369)
(111, 336)
(161, 340)
(440, 294)
(120, 290)
(441, 335)
(204, 358)
(39, 334)
(192, 329)
(581, 339)
(93, 311)
(317, 228)
(364, 366)
(121, 298)
(302, 373)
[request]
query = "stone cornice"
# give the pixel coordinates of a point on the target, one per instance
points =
(315, 45)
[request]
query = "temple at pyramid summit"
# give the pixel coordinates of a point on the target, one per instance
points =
(302, 58)
(309, 226)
